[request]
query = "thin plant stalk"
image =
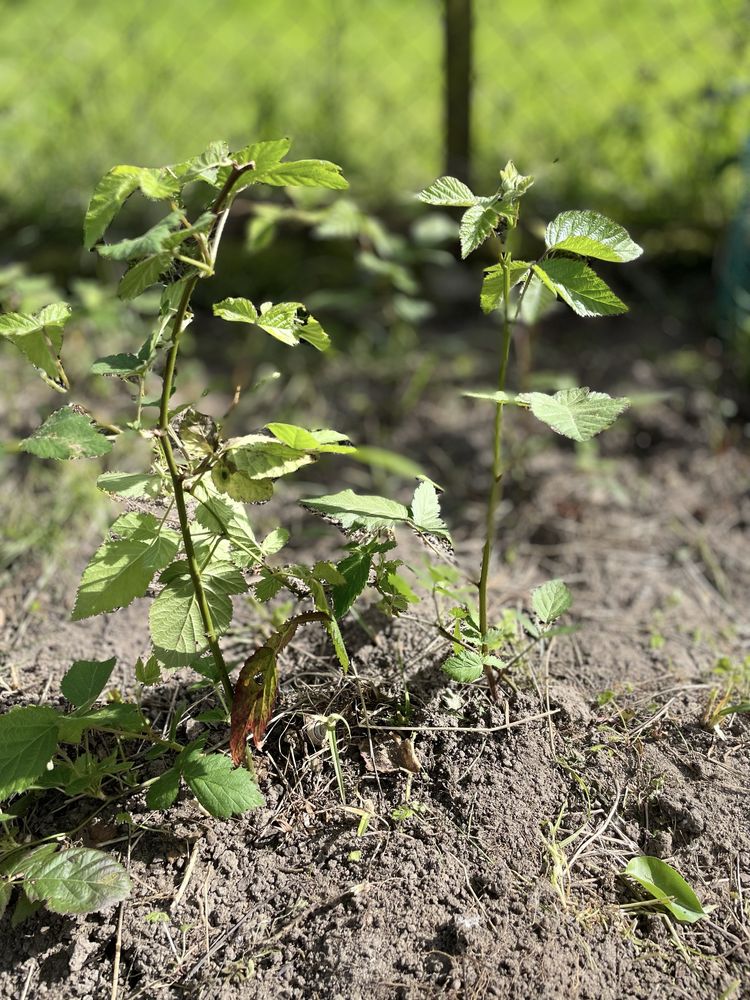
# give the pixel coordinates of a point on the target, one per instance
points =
(178, 325)
(495, 493)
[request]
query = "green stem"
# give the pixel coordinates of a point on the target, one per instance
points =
(493, 498)
(178, 324)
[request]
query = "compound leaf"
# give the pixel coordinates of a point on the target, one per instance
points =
(551, 600)
(579, 413)
(303, 173)
(67, 434)
(448, 191)
(493, 285)
(220, 789)
(76, 880)
(163, 793)
(477, 223)
(355, 570)
(583, 290)
(175, 618)
(143, 275)
(28, 739)
(590, 234)
(110, 194)
(131, 484)
(352, 510)
(121, 570)
(465, 666)
(39, 337)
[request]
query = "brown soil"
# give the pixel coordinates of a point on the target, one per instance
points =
(494, 870)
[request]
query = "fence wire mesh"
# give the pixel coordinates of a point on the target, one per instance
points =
(641, 105)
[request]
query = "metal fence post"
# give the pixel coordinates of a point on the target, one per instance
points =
(457, 82)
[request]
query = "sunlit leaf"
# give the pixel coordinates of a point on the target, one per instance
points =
(579, 413)
(67, 434)
(662, 882)
(590, 234)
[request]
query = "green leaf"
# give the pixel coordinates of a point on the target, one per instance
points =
(355, 569)
(465, 666)
(236, 310)
(110, 194)
(282, 321)
(662, 882)
(220, 789)
(86, 679)
(323, 441)
(121, 570)
(227, 519)
(143, 275)
(477, 224)
(264, 155)
(579, 414)
(28, 739)
(239, 485)
(174, 616)
(551, 600)
(163, 793)
(67, 434)
(288, 322)
(6, 891)
(448, 191)
(131, 484)
(77, 880)
(262, 457)
(590, 234)
(147, 673)
(116, 717)
(514, 183)
(303, 173)
(293, 436)
(39, 337)
(583, 290)
(352, 510)
(425, 510)
(493, 285)
(150, 242)
(121, 365)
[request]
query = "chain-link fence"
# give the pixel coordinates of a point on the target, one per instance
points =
(640, 107)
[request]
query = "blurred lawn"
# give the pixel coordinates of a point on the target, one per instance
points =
(637, 108)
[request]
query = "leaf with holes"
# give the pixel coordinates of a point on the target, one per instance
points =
(67, 434)
(39, 337)
(122, 567)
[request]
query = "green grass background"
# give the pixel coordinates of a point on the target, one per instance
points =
(639, 108)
